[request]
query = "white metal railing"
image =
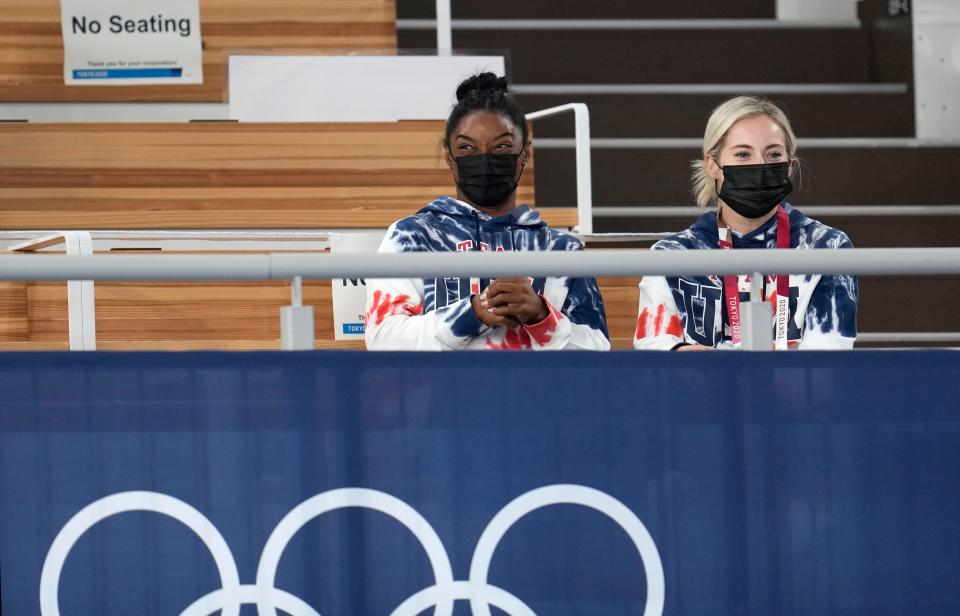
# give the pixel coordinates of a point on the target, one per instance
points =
(444, 27)
(297, 325)
(619, 263)
(630, 24)
(872, 211)
(81, 309)
(81, 306)
(581, 138)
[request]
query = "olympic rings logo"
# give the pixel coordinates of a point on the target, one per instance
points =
(441, 595)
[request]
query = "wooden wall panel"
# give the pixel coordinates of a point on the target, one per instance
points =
(620, 298)
(230, 175)
(208, 176)
(161, 314)
(14, 324)
(228, 315)
(31, 45)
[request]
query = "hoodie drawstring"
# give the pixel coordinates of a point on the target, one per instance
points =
(476, 221)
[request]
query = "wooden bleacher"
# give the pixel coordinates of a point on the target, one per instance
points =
(210, 176)
(223, 175)
(31, 45)
(217, 176)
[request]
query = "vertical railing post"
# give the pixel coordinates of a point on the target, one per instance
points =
(296, 321)
(757, 318)
(444, 28)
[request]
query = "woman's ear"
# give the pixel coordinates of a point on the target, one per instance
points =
(713, 169)
(448, 158)
(526, 153)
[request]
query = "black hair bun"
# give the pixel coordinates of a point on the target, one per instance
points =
(484, 83)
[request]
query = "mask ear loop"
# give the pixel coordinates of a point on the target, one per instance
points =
(716, 186)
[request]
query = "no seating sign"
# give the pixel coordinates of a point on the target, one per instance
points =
(131, 42)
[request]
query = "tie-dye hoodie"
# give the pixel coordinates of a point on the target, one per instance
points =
(823, 309)
(435, 313)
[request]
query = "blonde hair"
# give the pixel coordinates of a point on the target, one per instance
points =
(721, 120)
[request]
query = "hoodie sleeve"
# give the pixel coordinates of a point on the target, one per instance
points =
(394, 311)
(659, 324)
(580, 324)
(831, 319)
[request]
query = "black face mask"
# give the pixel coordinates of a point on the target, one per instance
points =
(753, 190)
(487, 179)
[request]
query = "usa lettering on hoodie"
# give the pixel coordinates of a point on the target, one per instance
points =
(436, 314)
(690, 309)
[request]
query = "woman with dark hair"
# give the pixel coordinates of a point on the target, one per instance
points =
(486, 147)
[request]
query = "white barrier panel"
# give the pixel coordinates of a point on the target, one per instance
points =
(936, 68)
(349, 88)
(350, 294)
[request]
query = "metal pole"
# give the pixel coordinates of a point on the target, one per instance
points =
(444, 28)
(757, 319)
(591, 263)
(581, 136)
(296, 321)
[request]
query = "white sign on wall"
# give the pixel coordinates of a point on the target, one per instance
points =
(350, 294)
(349, 88)
(131, 42)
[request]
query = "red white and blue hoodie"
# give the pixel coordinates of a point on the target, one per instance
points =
(690, 309)
(436, 314)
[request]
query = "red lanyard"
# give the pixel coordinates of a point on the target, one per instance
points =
(731, 291)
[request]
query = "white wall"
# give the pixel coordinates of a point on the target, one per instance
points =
(840, 11)
(936, 68)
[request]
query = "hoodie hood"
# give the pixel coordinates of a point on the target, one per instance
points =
(522, 216)
(763, 237)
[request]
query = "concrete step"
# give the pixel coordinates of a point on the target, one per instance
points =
(664, 111)
(865, 231)
(619, 51)
(576, 9)
(835, 172)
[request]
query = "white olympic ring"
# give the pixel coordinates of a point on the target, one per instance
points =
(441, 595)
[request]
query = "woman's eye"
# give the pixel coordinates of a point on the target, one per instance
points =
(465, 147)
(742, 154)
(775, 155)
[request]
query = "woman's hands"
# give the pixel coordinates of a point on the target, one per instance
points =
(510, 302)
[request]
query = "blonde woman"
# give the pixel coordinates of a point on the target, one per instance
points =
(749, 159)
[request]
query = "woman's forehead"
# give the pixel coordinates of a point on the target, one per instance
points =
(486, 124)
(756, 129)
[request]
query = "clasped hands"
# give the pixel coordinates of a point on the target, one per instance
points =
(510, 302)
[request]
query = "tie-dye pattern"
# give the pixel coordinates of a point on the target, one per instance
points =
(676, 309)
(437, 314)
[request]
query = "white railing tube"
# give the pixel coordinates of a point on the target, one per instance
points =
(444, 27)
(284, 266)
(581, 137)
(664, 211)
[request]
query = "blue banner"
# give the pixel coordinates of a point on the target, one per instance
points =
(557, 484)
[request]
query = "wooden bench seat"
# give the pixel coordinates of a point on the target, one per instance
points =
(207, 176)
(225, 175)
